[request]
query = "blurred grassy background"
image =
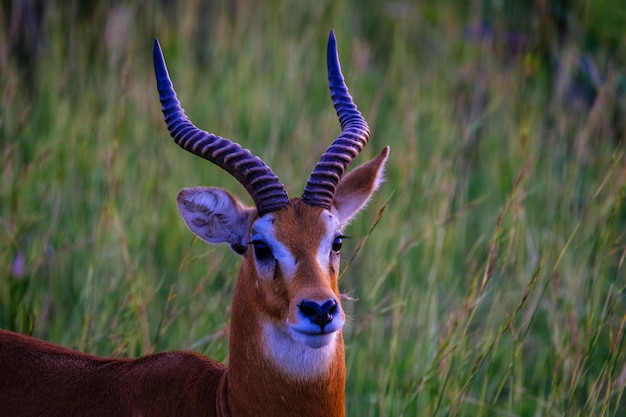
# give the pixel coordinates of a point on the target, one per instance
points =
(493, 281)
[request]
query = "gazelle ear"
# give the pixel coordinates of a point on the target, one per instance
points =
(355, 189)
(215, 216)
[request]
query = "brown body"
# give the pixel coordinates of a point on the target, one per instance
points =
(286, 345)
(42, 379)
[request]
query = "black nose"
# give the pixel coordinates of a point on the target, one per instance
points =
(320, 314)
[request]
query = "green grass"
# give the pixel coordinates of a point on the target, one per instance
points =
(490, 275)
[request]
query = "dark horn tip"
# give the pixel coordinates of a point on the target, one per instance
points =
(157, 53)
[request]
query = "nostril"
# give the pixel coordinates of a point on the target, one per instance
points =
(320, 314)
(309, 308)
(329, 306)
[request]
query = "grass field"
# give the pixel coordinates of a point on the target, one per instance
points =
(487, 277)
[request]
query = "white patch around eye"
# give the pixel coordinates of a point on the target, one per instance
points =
(263, 229)
(296, 359)
(333, 228)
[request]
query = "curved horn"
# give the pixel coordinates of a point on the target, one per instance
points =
(320, 189)
(258, 179)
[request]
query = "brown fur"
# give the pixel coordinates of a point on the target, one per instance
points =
(276, 394)
(43, 379)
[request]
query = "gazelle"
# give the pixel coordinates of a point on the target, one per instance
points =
(286, 343)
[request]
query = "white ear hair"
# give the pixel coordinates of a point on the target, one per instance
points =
(215, 216)
(355, 189)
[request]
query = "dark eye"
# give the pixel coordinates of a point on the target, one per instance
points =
(261, 250)
(337, 243)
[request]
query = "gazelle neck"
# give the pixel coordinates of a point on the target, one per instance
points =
(261, 378)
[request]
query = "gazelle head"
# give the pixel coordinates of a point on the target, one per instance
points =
(287, 294)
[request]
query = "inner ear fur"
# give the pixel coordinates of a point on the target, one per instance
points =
(216, 216)
(355, 189)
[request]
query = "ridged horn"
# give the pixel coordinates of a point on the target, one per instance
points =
(257, 178)
(321, 186)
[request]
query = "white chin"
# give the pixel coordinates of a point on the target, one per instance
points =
(314, 341)
(300, 355)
